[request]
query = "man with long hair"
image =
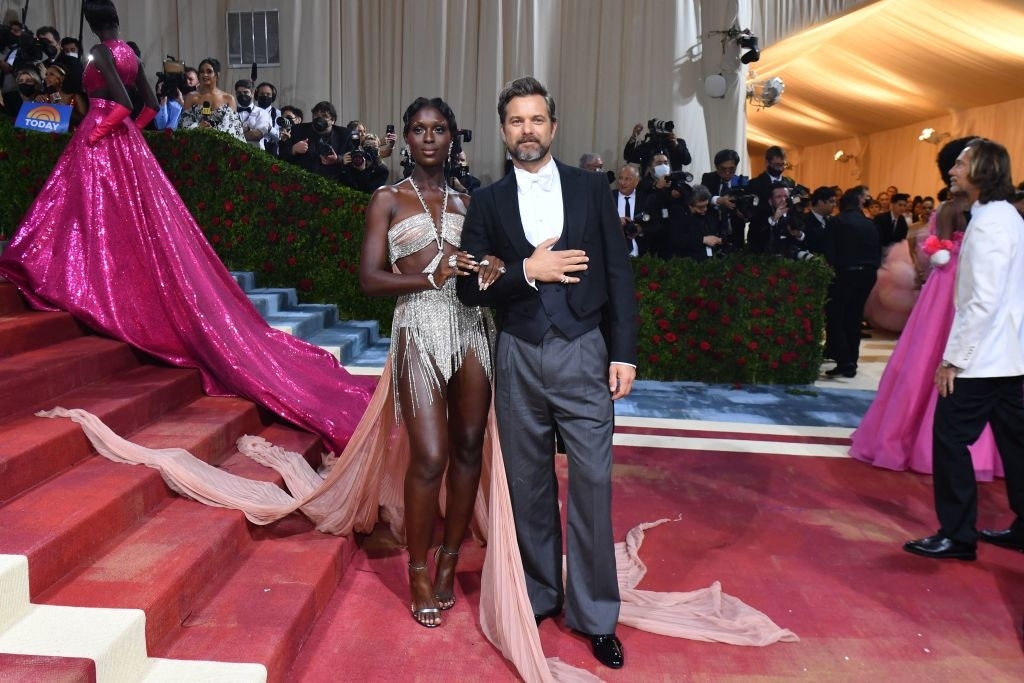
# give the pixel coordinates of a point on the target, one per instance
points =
(981, 377)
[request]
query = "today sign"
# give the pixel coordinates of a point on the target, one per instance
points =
(44, 117)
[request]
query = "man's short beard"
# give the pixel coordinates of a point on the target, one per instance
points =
(527, 156)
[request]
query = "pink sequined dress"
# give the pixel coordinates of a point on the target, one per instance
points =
(896, 431)
(109, 240)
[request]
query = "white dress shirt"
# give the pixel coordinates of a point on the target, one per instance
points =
(540, 205)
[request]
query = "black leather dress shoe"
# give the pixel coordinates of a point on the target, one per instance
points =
(1005, 538)
(608, 650)
(942, 548)
(844, 370)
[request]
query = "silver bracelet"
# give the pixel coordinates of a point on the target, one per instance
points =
(430, 279)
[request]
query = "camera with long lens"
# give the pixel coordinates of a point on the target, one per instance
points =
(798, 194)
(458, 169)
(679, 181)
(746, 201)
(284, 123)
(657, 127)
(364, 157)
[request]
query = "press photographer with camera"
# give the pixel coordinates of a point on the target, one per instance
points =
(315, 146)
(762, 184)
(285, 123)
(692, 230)
(640, 227)
(266, 95)
(780, 229)
(366, 173)
(732, 203)
(172, 85)
(660, 137)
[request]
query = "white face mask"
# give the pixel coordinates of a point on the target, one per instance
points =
(661, 170)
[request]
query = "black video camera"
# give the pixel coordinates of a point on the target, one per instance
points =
(283, 122)
(746, 200)
(798, 194)
(171, 81)
(407, 163)
(680, 181)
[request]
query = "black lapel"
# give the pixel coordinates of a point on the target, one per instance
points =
(573, 203)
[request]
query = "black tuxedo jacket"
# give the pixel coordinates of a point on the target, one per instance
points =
(336, 137)
(647, 217)
(590, 222)
(887, 232)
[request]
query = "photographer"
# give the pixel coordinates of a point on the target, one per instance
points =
(461, 179)
(732, 204)
(285, 123)
(365, 173)
(660, 138)
(640, 228)
(779, 230)
(314, 146)
(266, 95)
(692, 231)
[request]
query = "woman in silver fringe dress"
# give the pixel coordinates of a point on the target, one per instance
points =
(440, 351)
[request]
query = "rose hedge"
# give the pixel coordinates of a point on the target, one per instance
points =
(746, 319)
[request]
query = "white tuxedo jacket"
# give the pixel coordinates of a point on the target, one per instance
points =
(987, 338)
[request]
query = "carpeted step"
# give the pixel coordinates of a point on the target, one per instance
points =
(36, 449)
(62, 643)
(265, 609)
(20, 332)
(10, 299)
(36, 668)
(40, 375)
(70, 516)
(349, 340)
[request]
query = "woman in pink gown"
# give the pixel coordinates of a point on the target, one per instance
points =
(110, 241)
(896, 431)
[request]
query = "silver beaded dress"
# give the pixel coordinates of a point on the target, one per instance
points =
(440, 331)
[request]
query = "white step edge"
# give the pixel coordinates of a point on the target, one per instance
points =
(115, 639)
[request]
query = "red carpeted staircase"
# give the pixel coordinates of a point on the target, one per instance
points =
(100, 534)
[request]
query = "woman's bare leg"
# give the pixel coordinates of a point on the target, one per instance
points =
(469, 398)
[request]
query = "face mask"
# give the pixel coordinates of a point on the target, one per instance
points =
(661, 170)
(867, 202)
(244, 100)
(263, 101)
(27, 89)
(73, 55)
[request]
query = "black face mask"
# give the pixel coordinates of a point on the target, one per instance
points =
(264, 101)
(244, 100)
(27, 89)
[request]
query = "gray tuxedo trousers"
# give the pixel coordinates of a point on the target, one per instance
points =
(561, 383)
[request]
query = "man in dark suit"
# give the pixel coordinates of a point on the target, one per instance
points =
(853, 250)
(317, 146)
(892, 225)
(641, 228)
(761, 185)
(731, 221)
(568, 279)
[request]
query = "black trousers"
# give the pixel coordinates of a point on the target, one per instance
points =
(850, 292)
(959, 421)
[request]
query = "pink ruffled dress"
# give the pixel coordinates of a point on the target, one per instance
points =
(896, 431)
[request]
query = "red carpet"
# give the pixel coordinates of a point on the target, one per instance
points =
(812, 542)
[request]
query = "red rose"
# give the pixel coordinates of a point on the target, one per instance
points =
(215, 239)
(275, 168)
(692, 316)
(292, 261)
(272, 236)
(653, 286)
(305, 284)
(653, 358)
(290, 238)
(752, 345)
(671, 338)
(705, 346)
(655, 339)
(228, 222)
(663, 324)
(268, 267)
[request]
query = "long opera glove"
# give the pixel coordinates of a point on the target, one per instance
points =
(144, 117)
(109, 123)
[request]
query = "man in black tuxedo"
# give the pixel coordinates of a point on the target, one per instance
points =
(568, 279)
(731, 222)
(853, 250)
(640, 227)
(892, 225)
(316, 146)
(761, 185)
